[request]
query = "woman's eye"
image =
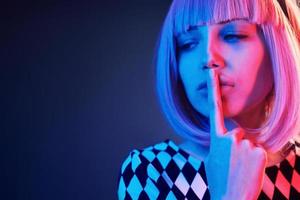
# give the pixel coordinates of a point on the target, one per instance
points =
(234, 37)
(188, 45)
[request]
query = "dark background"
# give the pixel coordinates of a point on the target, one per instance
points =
(77, 94)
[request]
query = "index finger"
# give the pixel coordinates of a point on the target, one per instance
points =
(216, 118)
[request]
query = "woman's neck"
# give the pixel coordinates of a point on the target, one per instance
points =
(252, 118)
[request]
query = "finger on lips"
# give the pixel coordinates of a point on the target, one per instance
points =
(215, 102)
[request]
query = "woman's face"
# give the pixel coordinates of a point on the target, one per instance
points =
(237, 50)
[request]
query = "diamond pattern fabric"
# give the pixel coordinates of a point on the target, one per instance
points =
(165, 171)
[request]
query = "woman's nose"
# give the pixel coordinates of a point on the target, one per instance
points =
(213, 55)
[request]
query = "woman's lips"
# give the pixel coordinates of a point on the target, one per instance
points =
(203, 85)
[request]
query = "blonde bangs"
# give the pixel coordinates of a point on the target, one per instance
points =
(187, 13)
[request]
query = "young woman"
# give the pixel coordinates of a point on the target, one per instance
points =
(228, 80)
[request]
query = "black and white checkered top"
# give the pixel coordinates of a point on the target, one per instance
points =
(165, 171)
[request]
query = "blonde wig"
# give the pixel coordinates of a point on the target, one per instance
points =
(281, 30)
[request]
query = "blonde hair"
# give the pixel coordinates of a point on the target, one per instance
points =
(281, 31)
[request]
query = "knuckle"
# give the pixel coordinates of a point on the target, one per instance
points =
(260, 155)
(235, 138)
(239, 132)
(236, 135)
(232, 138)
(260, 152)
(247, 144)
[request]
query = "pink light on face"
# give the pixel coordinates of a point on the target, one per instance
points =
(238, 51)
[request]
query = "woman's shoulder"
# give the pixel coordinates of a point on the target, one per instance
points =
(158, 168)
(163, 156)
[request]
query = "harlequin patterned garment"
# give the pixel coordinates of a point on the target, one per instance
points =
(165, 171)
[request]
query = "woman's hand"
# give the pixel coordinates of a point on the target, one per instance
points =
(234, 166)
